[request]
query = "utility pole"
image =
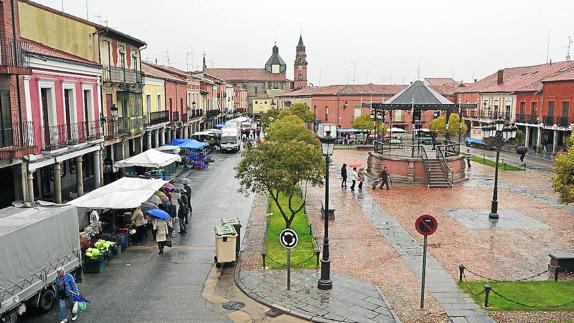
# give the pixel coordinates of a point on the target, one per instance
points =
(354, 73)
(548, 47)
(87, 11)
(570, 41)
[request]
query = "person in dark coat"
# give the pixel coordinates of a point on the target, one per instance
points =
(188, 193)
(182, 215)
(344, 176)
(385, 177)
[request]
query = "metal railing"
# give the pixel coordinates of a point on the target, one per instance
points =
(495, 115)
(60, 136)
(212, 113)
(121, 75)
(175, 116)
(397, 150)
(158, 117)
(16, 136)
(426, 162)
(12, 52)
(522, 118)
(184, 118)
(533, 119)
(549, 120)
(441, 154)
(563, 122)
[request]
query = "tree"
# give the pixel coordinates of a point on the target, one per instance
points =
(288, 159)
(301, 110)
(438, 125)
(563, 182)
(519, 139)
(269, 116)
(365, 122)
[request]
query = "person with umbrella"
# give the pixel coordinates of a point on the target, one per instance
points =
(188, 193)
(521, 151)
(161, 225)
(65, 288)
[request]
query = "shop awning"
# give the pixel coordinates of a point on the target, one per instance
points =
(188, 143)
(151, 158)
(125, 193)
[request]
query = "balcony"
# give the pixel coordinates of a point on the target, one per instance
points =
(12, 57)
(495, 115)
(184, 118)
(549, 121)
(563, 122)
(121, 75)
(196, 113)
(212, 113)
(533, 119)
(175, 116)
(158, 117)
(123, 126)
(60, 136)
(17, 140)
(521, 118)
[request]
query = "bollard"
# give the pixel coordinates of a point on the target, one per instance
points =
(263, 256)
(557, 271)
(487, 289)
(460, 272)
(317, 254)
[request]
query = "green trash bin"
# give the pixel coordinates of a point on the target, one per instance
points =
(234, 222)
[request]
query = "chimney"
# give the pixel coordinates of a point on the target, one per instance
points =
(474, 80)
(500, 77)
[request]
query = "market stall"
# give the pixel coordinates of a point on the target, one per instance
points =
(195, 154)
(150, 163)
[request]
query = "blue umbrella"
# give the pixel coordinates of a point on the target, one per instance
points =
(78, 298)
(160, 214)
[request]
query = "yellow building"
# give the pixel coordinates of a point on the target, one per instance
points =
(262, 103)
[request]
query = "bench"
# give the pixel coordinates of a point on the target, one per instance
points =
(562, 260)
(331, 212)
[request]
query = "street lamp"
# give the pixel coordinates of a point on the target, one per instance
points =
(327, 134)
(501, 134)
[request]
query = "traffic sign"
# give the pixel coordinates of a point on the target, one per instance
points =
(288, 238)
(426, 224)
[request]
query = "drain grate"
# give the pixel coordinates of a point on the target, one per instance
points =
(233, 305)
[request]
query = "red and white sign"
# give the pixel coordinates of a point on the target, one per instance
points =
(426, 224)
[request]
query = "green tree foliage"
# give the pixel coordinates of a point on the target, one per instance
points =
(301, 110)
(519, 139)
(563, 182)
(438, 125)
(365, 122)
(268, 117)
(288, 159)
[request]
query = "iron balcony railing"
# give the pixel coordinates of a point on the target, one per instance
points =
(522, 118)
(123, 126)
(533, 119)
(563, 122)
(121, 75)
(212, 113)
(175, 116)
(495, 115)
(158, 117)
(15, 137)
(196, 113)
(12, 52)
(549, 121)
(185, 117)
(60, 136)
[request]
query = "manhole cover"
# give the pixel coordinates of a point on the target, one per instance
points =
(233, 305)
(273, 313)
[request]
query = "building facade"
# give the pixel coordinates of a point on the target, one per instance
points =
(300, 70)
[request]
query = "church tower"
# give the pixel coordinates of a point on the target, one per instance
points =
(300, 70)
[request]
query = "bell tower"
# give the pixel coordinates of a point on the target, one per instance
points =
(300, 70)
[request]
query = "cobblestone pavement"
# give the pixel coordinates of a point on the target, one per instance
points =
(498, 252)
(350, 300)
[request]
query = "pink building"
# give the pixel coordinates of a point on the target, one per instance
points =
(63, 98)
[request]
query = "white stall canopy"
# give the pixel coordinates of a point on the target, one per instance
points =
(125, 193)
(151, 158)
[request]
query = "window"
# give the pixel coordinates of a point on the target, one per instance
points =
(550, 108)
(148, 103)
(159, 102)
(181, 103)
(533, 111)
(69, 108)
(326, 113)
(88, 110)
(357, 113)
(256, 102)
(507, 116)
(255, 90)
(495, 111)
(314, 108)
(565, 108)
(522, 108)
(5, 119)
(105, 53)
(135, 62)
(170, 104)
(265, 102)
(398, 116)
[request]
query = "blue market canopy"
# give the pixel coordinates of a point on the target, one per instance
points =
(188, 144)
(220, 125)
(419, 96)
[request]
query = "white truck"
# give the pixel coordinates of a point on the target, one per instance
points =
(34, 242)
(230, 139)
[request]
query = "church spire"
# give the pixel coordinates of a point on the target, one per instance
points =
(300, 45)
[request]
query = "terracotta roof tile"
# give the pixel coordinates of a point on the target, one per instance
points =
(246, 74)
(356, 89)
(41, 49)
(154, 71)
(562, 75)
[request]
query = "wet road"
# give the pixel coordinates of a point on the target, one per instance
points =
(512, 158)
(142, 286)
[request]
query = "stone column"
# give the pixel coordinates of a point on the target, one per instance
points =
(185, 132)
(526, 135)
(80, 175)
(24, 181)
(101, 158)
(57, 182)
(97, 169)
(156, 138)
(555, 141)
(148, 137)
(162, 136)
(30, 186)
(140, 141)
(539, 136)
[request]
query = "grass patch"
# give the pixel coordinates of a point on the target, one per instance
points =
(303, 255)
(543, 294)
(492, 163)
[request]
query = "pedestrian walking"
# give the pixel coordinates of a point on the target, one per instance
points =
(188, 193)
(522, 162)
(385, 177)
(354, 177)
(65, 288)
(361, 177)
(182, 215)
(344, 176)
(139, 222)
(162, 230)
(468, 157)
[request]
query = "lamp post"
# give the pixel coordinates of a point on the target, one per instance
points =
(500, 133)
(327, 134)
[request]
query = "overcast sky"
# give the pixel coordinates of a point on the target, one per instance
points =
(347, 41)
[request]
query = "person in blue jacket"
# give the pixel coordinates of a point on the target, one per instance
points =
(65, 288)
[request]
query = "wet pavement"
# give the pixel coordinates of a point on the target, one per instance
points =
(142, 286)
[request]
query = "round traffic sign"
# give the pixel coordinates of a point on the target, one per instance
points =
(288, 238)
(426, 224)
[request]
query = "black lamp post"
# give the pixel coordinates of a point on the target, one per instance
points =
(500, 134)
(327, 134)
